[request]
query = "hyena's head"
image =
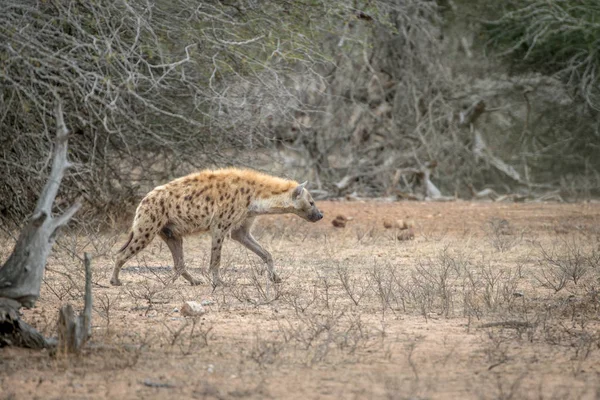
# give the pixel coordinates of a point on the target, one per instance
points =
(304, 205)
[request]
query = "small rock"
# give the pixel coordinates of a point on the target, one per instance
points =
(207, 303)
(176, 310)
(339, 221)
(192, 309)
(518, 294)
(210, 368)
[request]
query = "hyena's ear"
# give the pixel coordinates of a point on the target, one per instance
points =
(298, 191)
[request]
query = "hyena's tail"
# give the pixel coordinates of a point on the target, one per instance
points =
(127, 243)
(140, 235)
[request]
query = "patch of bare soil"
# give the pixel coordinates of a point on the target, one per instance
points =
(487, 301)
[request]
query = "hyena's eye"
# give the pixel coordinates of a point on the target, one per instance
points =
(312, 203)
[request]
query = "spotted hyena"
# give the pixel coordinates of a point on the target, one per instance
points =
(219, 202)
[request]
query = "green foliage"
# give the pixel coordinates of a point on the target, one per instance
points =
(552, 37)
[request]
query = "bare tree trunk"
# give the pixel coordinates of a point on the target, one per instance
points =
(21, 275)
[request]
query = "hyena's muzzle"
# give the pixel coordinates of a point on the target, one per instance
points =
(314, 215)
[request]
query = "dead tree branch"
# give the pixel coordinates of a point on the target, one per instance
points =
(482, 151)
(21, 276)
(469, 116)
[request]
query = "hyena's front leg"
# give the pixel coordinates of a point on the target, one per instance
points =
(175, 244)
(244, 236)
(215, 257)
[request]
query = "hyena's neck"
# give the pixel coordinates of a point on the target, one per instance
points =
(280, 204)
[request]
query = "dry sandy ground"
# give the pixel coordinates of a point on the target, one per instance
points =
(359, 315)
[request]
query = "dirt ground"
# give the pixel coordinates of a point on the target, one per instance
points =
(488, 301)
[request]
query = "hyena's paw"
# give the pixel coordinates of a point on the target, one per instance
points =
(274, 278)
(115, 281)
(216, 282)
(196, 282)
(193, 281)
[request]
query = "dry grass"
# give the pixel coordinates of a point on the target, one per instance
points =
(490, 301)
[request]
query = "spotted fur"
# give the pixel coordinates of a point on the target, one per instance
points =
(215, 201)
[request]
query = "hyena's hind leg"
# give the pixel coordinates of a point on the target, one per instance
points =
(215, 256)
(138, 240)
(243, 235)
(175, 244)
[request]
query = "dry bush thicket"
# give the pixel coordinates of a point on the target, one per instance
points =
(419, 105)
(374, 123)
(552, 47)
(150, 90)
(373, 98)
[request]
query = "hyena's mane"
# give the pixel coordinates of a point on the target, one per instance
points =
(264, 185)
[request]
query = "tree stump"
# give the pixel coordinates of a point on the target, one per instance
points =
(74, 331)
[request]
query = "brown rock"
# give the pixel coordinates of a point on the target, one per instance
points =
(339, 221)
